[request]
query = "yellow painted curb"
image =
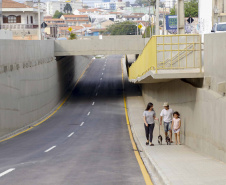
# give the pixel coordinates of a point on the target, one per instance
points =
(139, 160)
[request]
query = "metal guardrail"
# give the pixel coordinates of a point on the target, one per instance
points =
(167, 52)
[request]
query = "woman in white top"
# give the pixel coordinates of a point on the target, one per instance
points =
(176, 124)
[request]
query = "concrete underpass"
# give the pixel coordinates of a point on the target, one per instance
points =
(85, 142)
(69, 118)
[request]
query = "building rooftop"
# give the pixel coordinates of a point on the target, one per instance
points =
(115, 13)
(53, 19)
(89, 10)
(71, 16)
(13, 4)
(133, 16)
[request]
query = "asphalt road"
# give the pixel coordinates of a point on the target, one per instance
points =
(85, 143)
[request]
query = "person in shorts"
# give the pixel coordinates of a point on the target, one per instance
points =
(166, 116)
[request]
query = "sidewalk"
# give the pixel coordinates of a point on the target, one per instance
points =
(174, 164)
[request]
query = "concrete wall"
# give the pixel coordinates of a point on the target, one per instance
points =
(214, 60)
(107, 46)
(202, 109)
(32, 81)
(5, 34)
(202, 113)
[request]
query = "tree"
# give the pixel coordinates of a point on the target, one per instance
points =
(147, 32)
(173, 11)
(73, 36)
(57, 14)
(67, 8)
(145, 2)
(191, 8)
(122, 28)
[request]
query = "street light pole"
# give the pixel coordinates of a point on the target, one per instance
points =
(157, 18)
(150, 16)
(163, 31)
(39, 21)
(180, 17)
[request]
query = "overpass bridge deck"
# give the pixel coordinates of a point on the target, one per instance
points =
(108, 45)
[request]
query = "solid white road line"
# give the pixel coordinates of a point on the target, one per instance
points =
(70, 134)
(81, 124)
(50, 148)
(7, 171)
(93, 103)
(88, 114)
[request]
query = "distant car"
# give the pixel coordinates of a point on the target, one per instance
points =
(61, 38)
(219, 27)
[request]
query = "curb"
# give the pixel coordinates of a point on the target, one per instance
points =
(153, 165)
(153, 169)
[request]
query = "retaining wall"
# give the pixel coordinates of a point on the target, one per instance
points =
(202, 114)
(33, 81)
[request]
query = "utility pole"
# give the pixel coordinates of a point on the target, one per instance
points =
(0, 14)
(137, 28)
(157, 18)
(39, 21)
(180, 17)
(163, 22)
(150, 16)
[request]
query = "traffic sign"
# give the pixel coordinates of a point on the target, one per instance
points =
(43, 25)
(70, 29)
(140, 26)
(190, 20)
(171, 22)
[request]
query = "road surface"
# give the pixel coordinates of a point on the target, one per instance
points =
(85, 143)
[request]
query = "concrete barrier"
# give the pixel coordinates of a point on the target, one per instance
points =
(32, 81)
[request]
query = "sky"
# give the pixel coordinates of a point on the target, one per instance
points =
(98, 1)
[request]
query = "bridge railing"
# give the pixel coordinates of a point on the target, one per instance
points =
(168, 52)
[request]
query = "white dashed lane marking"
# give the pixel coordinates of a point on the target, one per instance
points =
(50, 148)
(93, 103)
(81, 124)
(88, 114)
(7, 171)
(70, 134)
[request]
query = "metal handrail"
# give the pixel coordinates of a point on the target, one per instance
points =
(177, 59)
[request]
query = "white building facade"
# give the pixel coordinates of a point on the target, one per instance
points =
(211, 12)
(110, 5)
(53, 6)
(20, 18)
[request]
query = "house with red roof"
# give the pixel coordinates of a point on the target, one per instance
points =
(75, 20)
(21, 18)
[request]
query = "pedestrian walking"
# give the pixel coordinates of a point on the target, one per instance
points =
(149, 123)
(166, 116)
(176, 124)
